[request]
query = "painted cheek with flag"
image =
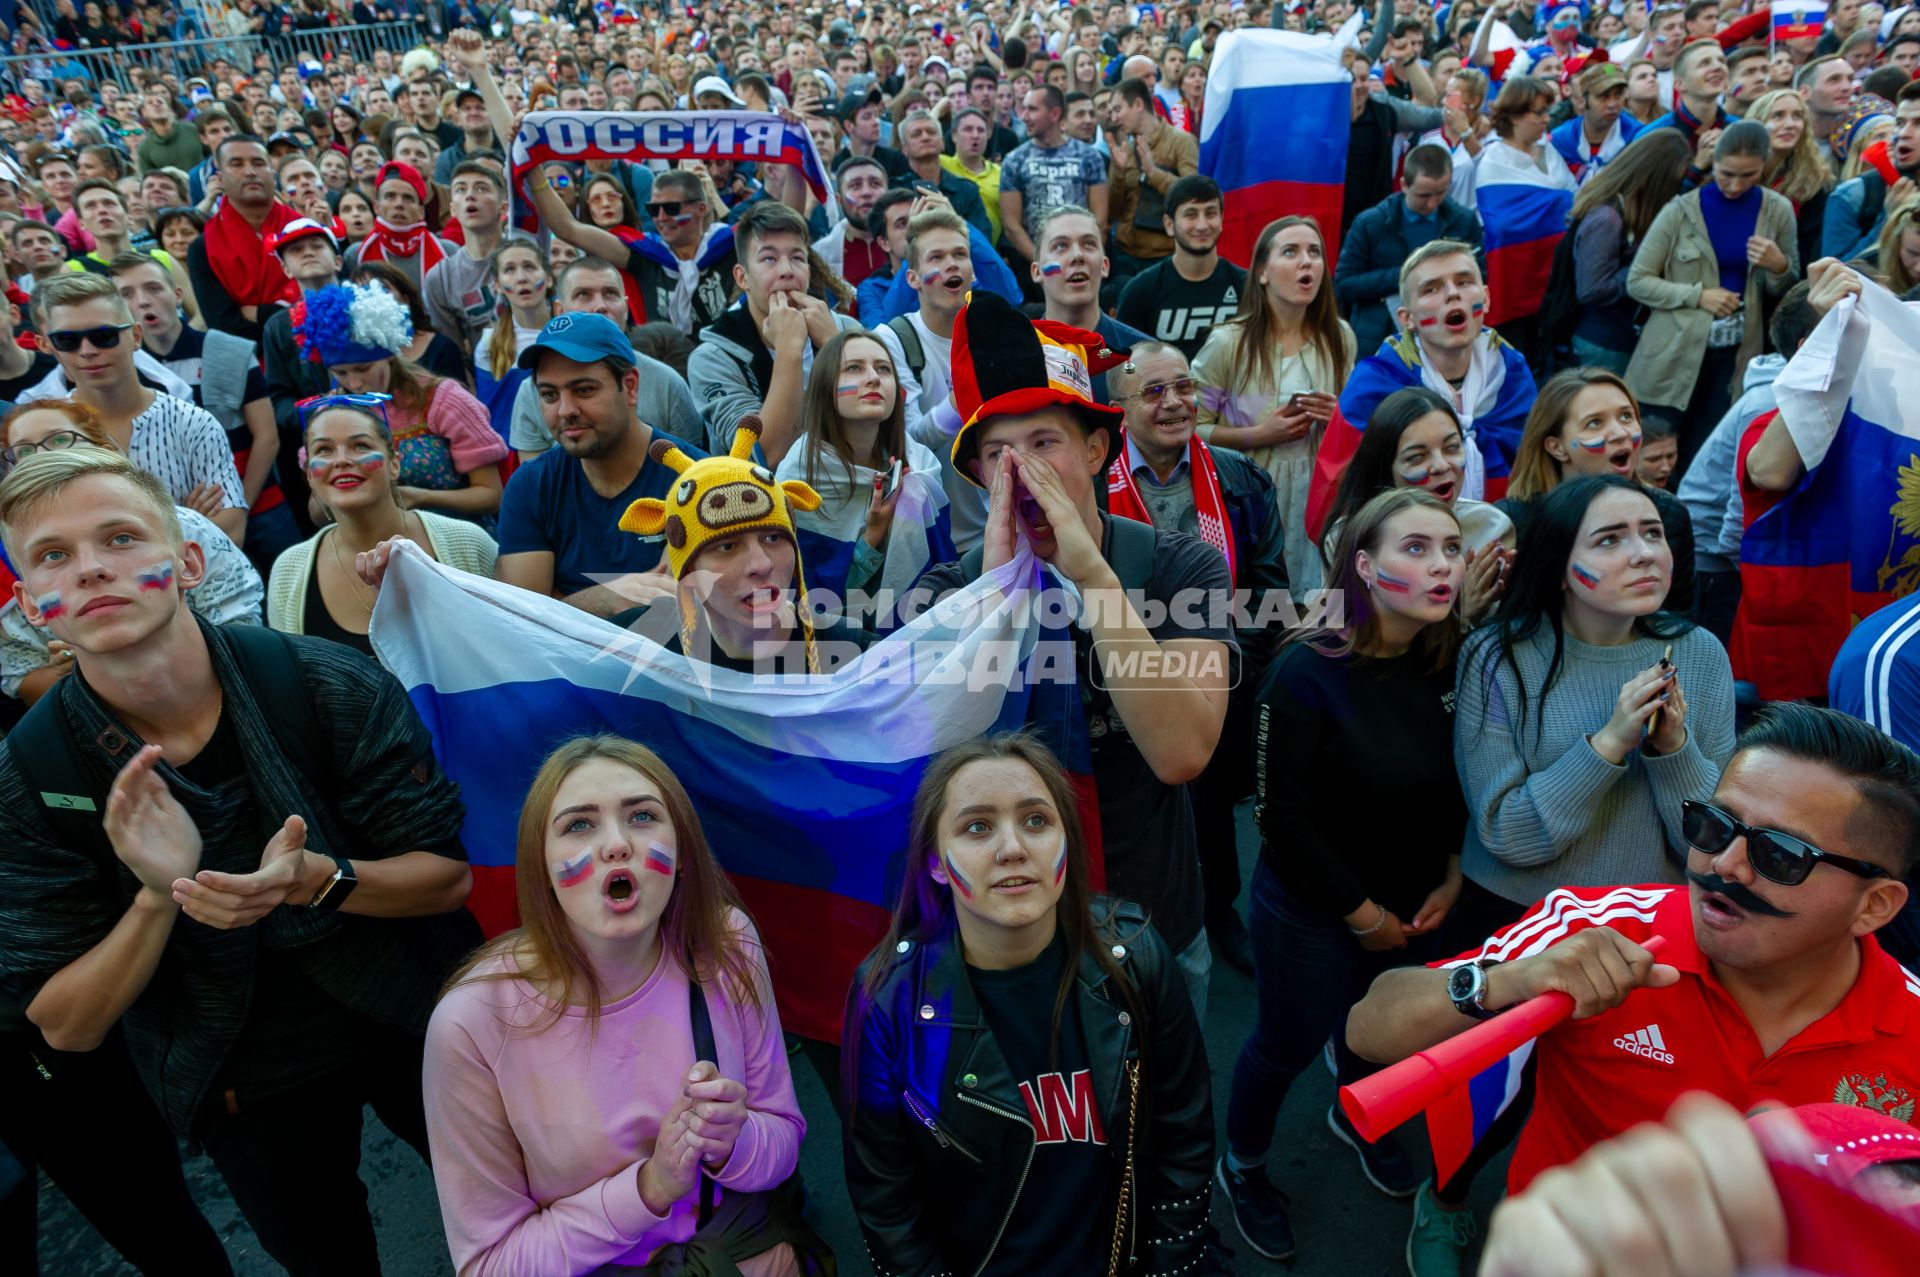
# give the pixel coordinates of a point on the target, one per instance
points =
(1524, 211)
(1846, 541)
(1274, 130)
(804, 786)
(1799, 19)
(757, 137)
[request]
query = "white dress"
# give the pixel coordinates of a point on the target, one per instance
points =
(1290, 464)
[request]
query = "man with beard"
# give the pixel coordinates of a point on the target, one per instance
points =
(588, 285)
(1772, 985)
(1180, 298)
(560, 517)
(851, 250)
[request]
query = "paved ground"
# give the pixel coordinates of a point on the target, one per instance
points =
(1345, 1228)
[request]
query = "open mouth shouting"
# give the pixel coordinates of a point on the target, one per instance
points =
(1456, 319)
(1441, 594)
(621, 890)
(1445, 489)
(1621, 459)
(762, 600)
(955, 283)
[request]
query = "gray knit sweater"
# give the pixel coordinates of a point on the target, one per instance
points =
(1547, 811)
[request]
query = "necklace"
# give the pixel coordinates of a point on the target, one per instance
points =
(362, 593)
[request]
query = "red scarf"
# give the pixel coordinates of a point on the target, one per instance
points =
(1209, 502)
(387, 242)
(240, 260)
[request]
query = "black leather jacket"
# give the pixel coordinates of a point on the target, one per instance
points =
(937, 1138)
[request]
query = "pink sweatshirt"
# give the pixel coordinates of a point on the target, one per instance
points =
(537, 1137)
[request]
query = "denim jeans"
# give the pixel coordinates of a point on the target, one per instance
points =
(1308, 970)
(1196, 963)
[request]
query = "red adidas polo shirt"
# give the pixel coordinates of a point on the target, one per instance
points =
(1601, 1076)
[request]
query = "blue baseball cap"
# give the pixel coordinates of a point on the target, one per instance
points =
(585, 338)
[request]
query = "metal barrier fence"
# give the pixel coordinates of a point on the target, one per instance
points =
(190, 57)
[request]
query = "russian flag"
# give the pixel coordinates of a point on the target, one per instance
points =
(1504, 45)
(1273, 132)
(1524, 210)
(1846, 541)
(1459, 1121)
(803, 785)
(1799, 19)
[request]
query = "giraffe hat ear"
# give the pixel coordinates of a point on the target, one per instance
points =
(645, 517)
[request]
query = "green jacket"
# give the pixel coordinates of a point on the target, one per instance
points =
(179, 149)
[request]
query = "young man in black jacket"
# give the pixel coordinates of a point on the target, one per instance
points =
(282, 794)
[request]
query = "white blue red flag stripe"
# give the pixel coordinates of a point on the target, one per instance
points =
(1524, 211)
(1846, 541)
(1799, 19)
(803, 785)
(757, 137)
(1274, 131)
(1463, 1118)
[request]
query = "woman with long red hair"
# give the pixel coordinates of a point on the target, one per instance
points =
(607, 1084)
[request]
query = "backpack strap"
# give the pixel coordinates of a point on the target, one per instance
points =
(703, 1049)
(910, 346)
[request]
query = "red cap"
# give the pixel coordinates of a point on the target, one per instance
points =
(300, 228)
(406, 173)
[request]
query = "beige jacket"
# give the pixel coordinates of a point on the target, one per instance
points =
(1674, 265)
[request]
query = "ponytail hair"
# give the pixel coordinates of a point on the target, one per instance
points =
(502, 348)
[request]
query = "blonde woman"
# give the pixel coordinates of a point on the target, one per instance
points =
(1795, 168)
(1270, 378)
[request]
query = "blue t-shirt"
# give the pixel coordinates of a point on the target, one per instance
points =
(550, 507)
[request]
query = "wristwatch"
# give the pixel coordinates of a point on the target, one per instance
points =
(336, 889)
(1467, 989)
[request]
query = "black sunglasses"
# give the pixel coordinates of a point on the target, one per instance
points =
(666, 208)
(1775, 856)
(105, 337)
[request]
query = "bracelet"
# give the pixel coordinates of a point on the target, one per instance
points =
(1376, 926)
(545, 184)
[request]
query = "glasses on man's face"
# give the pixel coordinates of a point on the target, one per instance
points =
(1151, 395)
(369, 402)
(1775, 856)
(665, 208)
(105, 337)
(58, 441)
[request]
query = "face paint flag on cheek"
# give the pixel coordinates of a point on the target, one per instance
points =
(1586, 576)
(660, 859)
(1051, 269)
(572, 873)
(1060, 862)
(51, 606)
(369, 460)
(1393, 583)
(960, 883)
(1420, 478)
(157, 577)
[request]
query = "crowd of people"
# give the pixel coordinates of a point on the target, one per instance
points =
(275, 324)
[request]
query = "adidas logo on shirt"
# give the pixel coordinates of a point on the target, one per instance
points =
(1647, 1043)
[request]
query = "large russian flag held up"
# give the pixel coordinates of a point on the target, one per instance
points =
(803, 785)
(1524, 211)
(1273, 133)
(1846, 541)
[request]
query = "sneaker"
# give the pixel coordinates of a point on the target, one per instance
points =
(1259, 1209)
(1384, 1165)
(1437, 1246)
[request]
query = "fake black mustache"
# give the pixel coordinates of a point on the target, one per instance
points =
(1739, 894)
